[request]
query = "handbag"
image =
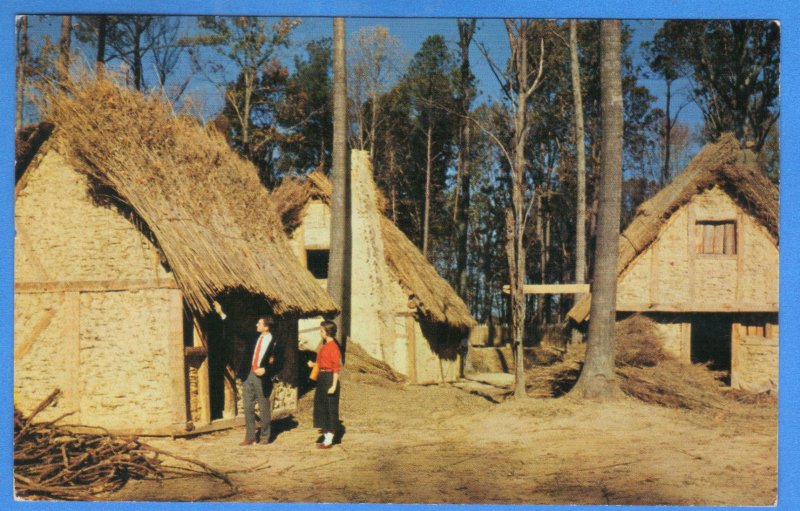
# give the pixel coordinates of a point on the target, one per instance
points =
(314, 372)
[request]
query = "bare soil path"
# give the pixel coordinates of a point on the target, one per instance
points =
(440, 444)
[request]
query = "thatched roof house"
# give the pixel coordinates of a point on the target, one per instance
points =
(134, 227)
(702, 255)
(388, 271)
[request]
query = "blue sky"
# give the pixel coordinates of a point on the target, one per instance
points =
(410, 32)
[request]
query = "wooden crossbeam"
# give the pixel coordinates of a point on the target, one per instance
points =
(94, 285)
(551, 289)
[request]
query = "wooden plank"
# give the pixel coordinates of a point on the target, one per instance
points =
(695, 245)
(719, 238)
(730, 238)
(37, 330)
(653, 287)
(411, 344)
(708, 238)
(686, 343)
(229, 391)
(736, 338)
(703, 307)
(71, 332)
(555, 289)
(203, 386)
(176, 365)
(216, 425)
(740, 255)
(88, 286)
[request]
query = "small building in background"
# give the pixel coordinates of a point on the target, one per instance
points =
(143, 258)
(701, 259)
(402, 311)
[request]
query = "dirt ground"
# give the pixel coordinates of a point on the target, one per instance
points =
(442, 444)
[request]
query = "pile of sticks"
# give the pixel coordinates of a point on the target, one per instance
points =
(53, 462)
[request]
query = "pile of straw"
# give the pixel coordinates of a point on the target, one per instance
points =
(203, 206)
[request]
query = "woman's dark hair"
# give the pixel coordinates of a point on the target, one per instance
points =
(329, 327)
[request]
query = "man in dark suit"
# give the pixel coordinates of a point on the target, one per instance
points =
(258, 370)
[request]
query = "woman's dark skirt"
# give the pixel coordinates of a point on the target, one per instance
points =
(326, 406)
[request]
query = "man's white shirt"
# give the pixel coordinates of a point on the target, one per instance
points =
(264, 345)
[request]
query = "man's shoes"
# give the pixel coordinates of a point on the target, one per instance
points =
(324, 446)
(264, 441)
(247, 442)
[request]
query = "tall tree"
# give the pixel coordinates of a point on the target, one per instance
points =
(663, 55)
(309, 110)
(429, 80)
(466, 92)
(518, 83)
(64, 50)
(374, 68)
(597, 379)
(580, 155)
(250, 44)
(339, 262)
(734, 70)
(22, 64)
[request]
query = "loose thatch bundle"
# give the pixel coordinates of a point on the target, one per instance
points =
(434, 296)
(721, 164)
(364, 368)
(650, 374)
(204, 206)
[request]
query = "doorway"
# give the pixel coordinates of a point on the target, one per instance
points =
(711, 340)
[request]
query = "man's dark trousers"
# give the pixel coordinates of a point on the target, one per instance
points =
(253, 392)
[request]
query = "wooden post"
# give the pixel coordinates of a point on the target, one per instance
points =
(72, 341)
(411, 340)
(653, 298)
(736, 336)
(694, 240)
(739, 257)
(176, 358)
(229, 382)
(203, 391)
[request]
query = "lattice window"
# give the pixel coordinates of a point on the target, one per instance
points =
(716, 237)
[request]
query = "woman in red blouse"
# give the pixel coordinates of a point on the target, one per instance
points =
(326, 397)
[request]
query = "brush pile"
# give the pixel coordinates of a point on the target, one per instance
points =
(52, 462)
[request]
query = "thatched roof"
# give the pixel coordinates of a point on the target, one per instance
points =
(721, 164)
(435, 298)
(202, 205)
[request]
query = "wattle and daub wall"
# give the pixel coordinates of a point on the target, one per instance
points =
(96, 314)
(675, 281)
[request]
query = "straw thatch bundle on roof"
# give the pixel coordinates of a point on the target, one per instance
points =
(435, 298)
(202, 205)
(721, 164)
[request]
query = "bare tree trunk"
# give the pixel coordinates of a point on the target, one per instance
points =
(137, 58)
(426, 221)
(667, 136)
(597, 380)
(466, 28)
(100, 59)
(580, 220)
(63, 51)
(22, 64)
(338, 272)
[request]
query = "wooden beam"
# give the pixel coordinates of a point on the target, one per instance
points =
(176, 365)
(71, 331)
(411, 343)
(724, 307)
(551, 289)
(653, 287)
(94, 285)
(203, 386)
(693, 233)
(38, 329)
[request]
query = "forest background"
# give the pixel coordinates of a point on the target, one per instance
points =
(413, 87)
